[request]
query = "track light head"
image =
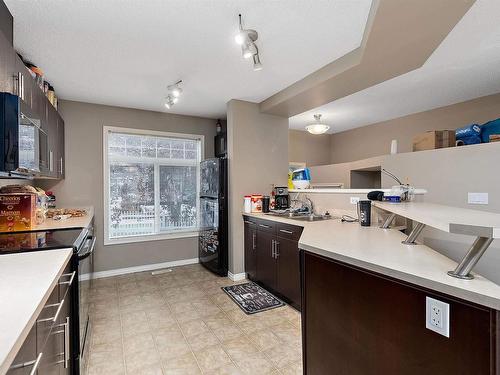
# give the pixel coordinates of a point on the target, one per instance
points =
(257, 65)
(248, 50)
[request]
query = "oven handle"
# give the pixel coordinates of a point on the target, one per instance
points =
(88, 252)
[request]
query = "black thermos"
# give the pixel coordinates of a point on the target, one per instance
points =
(365, 213)
(265, 203)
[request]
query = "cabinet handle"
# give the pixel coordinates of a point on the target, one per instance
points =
(265, 226)
(272, 248)
(70, 281)
(276, 249)
(66, 343)
(51, 160)
(22, 86)
(33, 363)
(253, 240)
(286, 231)
(54, 318)
(245, 221)
(61, 162)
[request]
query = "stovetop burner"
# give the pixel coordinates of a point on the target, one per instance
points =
(18, 242)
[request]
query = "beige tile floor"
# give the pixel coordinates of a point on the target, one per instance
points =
(183, 323)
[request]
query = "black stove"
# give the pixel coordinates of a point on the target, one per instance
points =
(18, 242)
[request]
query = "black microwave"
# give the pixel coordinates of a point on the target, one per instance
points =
(24, 150)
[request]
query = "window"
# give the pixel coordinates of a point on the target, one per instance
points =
(151, 184)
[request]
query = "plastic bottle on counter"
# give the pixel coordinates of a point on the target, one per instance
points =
(247, 207)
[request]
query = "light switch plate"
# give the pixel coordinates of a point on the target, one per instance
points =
(437, 316)
(477, 198)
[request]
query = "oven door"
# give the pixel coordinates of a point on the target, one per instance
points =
(85, 271)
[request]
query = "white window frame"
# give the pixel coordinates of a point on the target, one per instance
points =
(155, 236)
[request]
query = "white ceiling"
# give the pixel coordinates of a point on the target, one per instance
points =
(125, 52)
(465, 66)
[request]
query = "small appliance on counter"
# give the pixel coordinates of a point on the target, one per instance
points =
(364, 212)
(301, 178)
(281, 198)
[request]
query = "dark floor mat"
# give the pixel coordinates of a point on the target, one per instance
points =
(251, 298)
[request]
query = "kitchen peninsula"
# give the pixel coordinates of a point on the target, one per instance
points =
(364, 304)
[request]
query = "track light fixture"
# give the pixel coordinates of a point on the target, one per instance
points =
(246, 38)
(174, 92)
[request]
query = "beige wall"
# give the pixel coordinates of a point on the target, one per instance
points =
(448, 175)
(375, 139)
(83, 184)
(308, 148)
(258, 157)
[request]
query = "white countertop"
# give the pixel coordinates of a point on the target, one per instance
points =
(72, 222)
(347, 191)
(26, 280)
(381, 251)
(447, 218)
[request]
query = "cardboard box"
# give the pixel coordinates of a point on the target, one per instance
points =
(494, 137)
(434, 139)
(17, 212)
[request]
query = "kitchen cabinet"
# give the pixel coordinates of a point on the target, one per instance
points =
(272, 257)
(359, 322)
(16, 79)
(266, 262)
(47, 346)
(7, 66)
(6, 23)
(250, 249)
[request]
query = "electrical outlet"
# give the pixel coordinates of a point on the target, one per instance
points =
(437, 316)
(354, 200)
(477, 198)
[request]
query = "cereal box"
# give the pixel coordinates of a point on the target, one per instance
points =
(17, 212)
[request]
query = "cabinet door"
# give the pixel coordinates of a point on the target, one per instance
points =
(8, 72)
(250, 250)
(26, 357)
(53, 141)
(266, 263)
(288, 274)
(60, 148)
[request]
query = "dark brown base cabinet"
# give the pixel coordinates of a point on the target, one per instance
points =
(47, 349)
(272, 257)
(357, 322)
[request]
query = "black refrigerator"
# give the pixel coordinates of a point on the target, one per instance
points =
(213, 239)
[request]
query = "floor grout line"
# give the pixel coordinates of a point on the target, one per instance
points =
(181, 281)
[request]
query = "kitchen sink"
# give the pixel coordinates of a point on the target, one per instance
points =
(301, 217)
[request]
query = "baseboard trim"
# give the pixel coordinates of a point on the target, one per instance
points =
(146, 267)
(237, 277)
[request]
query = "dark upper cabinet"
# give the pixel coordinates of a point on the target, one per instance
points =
(6, 23)
(8, 72)
(60, 148)
(220, 145)
(46, 158)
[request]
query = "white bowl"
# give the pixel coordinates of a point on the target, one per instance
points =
(300, 184)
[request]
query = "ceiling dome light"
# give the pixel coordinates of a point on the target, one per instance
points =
(257, 65)
(317, 127)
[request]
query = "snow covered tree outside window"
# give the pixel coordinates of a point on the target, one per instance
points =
(152, 184)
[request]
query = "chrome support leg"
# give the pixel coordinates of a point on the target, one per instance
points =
(388, 221)
(470, 259)
(410, 240)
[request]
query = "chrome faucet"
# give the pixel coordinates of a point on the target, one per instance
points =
(311, 205)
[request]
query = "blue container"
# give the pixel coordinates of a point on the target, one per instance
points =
(468, 131)
(490, 128)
